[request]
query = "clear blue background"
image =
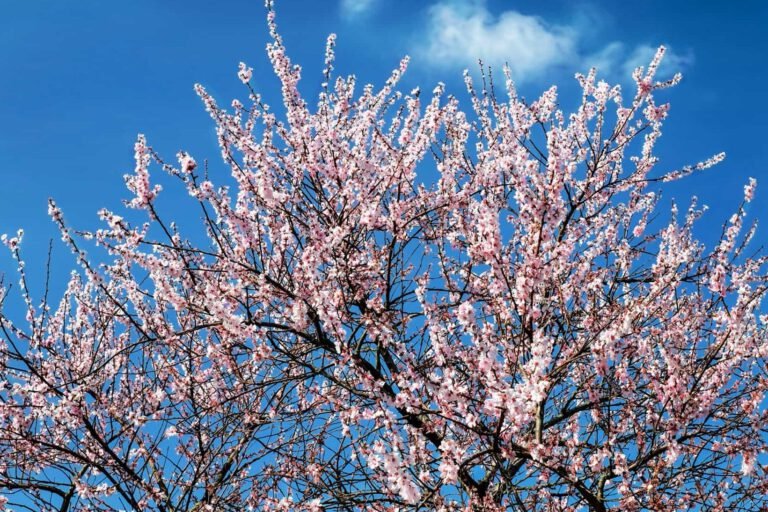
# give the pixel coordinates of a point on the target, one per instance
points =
(81, 78)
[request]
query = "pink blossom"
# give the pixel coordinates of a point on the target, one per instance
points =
(244, 73)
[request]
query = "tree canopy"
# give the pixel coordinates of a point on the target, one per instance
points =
(522, 329)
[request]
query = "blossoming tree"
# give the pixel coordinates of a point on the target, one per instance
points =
(519, 333)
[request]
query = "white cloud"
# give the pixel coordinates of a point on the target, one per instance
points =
(460, 32)
(355, 8)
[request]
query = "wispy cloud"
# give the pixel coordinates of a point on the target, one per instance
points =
(607, 59)
(351, 9)
(460, 32)
(618, 61)
(673, 62)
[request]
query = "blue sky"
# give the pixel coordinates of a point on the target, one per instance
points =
(81, 78)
